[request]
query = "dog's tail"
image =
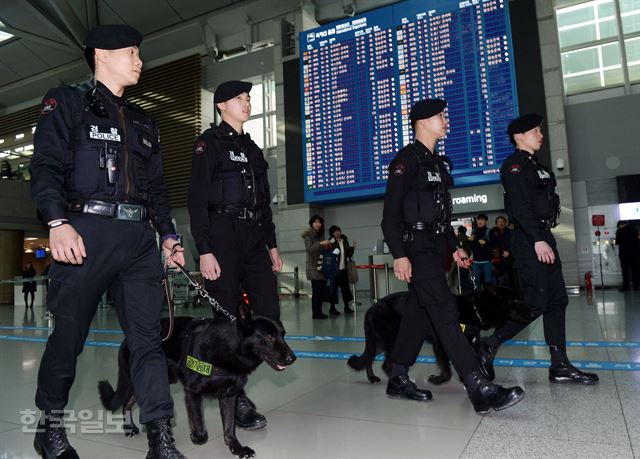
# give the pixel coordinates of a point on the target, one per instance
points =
(113, 399)
(110, 398)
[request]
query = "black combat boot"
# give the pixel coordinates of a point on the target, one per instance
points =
(333, 311)
(562, 372)
(486, 350)
(402, 387)
(247, 417)
(161, 442)
(51, 438)
(487, 396)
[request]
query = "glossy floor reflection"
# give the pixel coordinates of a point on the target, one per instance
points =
(319, 408)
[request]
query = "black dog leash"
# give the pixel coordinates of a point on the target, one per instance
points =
(167, 293)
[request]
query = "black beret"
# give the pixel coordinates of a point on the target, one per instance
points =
(427, 108)
(230, 89)
(524, 123)
(113, 36)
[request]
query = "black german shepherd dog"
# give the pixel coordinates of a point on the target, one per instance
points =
(211, 358)
(480, 310)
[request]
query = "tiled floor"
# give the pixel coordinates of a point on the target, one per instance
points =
(319, 408)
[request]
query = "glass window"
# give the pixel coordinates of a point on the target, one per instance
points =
(577, 35)
(257, 101)
(255, 128)
(593, 24)
(580, 61)
(575, 15)
(4, 35)
(611, 55)
(606, 10)
(272, 96)
(631, 22)
(627, 6)
(612, 76)
(607, 28)
(581, 82)
(261, 125)
(273, 132)
(632, 47)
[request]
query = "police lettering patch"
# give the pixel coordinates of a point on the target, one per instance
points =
(200, 147)
(399, 169)
(112, 135)
(48, 106)
(515, 169)
(239, 158)
(543, 174)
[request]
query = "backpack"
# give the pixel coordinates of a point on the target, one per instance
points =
(328, 263)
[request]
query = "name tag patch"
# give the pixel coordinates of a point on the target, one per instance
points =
(543, 174)
(433, 177)
(199, 366)
(238, 158)
(94, 133)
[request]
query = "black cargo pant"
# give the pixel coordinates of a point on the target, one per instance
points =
(431, 307)
(122, 256)
(240, 246)
(542, 289)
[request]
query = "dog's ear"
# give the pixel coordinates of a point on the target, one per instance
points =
(244, 315)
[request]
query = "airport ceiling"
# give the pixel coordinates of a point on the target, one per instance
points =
(46, 49)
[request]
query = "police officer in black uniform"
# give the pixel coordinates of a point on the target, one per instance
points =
(417, 227)
(231, 220)
(96, 177)
(533, 206)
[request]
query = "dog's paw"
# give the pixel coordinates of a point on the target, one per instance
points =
(131, 430)
(199, 439)
(374, 380)
(242, 451)
(439, 379)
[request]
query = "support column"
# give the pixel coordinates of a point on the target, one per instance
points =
(565, 233)
(11, 248)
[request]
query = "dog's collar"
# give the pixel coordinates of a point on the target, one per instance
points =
(204, 368)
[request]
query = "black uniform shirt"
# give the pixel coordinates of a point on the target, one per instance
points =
(73, 146)
(228, 169)
(530, 197)
(416, 191)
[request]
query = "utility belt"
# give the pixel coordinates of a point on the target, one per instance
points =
(240, 212)
(432, 228)
(117, 210)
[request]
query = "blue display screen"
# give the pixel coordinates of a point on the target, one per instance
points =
(360, 76)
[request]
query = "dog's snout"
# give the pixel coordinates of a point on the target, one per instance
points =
(291, 358)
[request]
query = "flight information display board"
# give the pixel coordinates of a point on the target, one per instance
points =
(360, 76)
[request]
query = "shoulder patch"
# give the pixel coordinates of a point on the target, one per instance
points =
(399, 169)
(48, 106)
(200, 147)
(515, 169)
